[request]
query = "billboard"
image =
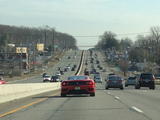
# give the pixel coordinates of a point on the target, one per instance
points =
(40, 47)
(21, 49)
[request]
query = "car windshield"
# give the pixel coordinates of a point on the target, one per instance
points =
(114, 78)
(77, 78)
(47, 76)
(146, 76)
(157, 75)
(131, 78)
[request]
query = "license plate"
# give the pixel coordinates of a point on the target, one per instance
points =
(147, 80)
(77, 88)
(114, 81)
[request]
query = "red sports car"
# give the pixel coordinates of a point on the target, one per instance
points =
(78, 85)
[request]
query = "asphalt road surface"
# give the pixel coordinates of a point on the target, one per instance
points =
(113, 104)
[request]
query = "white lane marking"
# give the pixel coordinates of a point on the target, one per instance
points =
(145, 91)
(137, 109)
(108, 93)
(116, 97)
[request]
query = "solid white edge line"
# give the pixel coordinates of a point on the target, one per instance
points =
(137, 109)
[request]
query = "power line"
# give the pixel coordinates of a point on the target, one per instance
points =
(119, 34)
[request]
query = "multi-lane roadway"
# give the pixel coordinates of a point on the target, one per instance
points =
(113, 104)
(74, 59)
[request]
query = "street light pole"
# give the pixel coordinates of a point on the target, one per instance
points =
(52, 47)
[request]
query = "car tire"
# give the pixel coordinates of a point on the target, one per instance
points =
(63, 95)
(107, 88)
(137, 87)
(126, 85)
(92, 94)
(152, 87)
(121, 88)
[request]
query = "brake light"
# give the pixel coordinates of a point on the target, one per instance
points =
(64, 83)
(89, 83)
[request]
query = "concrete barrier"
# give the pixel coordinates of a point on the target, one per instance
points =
(9, 92)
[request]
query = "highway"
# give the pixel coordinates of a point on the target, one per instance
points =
(112, 104)
(52, 70)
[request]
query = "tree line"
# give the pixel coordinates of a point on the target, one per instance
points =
(109, 40)
(144, 48)
(32, 35)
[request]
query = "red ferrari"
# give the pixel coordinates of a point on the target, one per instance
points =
(78, 85)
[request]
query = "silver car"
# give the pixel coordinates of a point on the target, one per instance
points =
(114, 81)
(130, 81)
(97, 78)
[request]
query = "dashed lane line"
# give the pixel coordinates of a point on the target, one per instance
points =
(137, 109)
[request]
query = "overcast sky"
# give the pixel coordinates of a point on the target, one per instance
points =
(83, 17)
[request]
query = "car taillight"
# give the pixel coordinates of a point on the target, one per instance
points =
(89, 83)
(109, 80)
(64, 83)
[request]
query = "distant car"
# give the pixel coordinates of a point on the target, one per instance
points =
(58, 73)
(74, 66)
(73, 69)
(61, 72)
(145, 80)
(86, 72)
(110, 74)
(78, 85)
(157, 76)
(55, 79)
(101, 68)
(47, 78)
(98, 66)
(59, 68)
(104, 70)
(93, 71)
(44, 74)
(97, 78)
(114, 81)
(130, 81)
(2, 81)
(97, 62)
(65, 69)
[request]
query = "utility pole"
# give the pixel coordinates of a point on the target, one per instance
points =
(45, 38)
(52, 48)
(21, 57)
